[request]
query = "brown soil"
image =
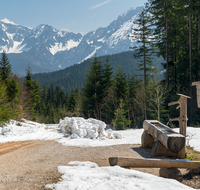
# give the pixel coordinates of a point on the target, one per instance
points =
(33, 164)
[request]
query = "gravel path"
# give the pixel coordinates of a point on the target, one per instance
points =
(32, 164)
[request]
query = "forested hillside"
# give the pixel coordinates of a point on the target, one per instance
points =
(73, 76)
(122, 89)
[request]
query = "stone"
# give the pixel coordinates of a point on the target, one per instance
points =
(147, 140)
(172, 173)
(195, 171)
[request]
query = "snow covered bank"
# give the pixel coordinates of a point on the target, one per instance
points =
(78, 127)
(27, 130)
(81, 132)
(87, 176)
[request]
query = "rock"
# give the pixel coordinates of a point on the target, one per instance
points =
(172, 173)
(147, 140)
(195, 171)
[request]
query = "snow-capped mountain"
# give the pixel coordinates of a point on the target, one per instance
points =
(48, 49)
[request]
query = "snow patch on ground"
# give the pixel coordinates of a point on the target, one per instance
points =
(27, 130)
(87, 176)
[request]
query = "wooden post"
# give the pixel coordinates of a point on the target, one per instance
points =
(197, 84)
(182, 119)
(152, 163)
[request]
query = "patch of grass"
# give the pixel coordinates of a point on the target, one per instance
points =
(192, 154)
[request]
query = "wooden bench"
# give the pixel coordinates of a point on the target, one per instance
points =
(152, 163)
(168, 167)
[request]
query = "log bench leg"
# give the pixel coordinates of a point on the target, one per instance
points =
(147, 140)
(172, 173)
(159, 150)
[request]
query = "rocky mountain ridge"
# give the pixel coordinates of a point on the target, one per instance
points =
(46, 49)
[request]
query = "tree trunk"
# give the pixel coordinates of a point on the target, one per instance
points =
(166, 30)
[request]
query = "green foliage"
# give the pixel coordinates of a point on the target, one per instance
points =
(72, 101)
(34, 90)
(143, 36)
(9, 91)
(6, 112)
(93, 91)
(120, 83)
(120, 120)
(5, 67)
(176, 28)
(74, 76)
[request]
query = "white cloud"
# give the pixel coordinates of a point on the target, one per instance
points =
(100, 4)
(93, 15)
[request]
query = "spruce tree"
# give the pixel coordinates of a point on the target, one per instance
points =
(5, 111)
(92, 91)
(121, 122)
(120, 84)
(143, 36)
(34, 90)
(11, 82)
(5, 67)
(72, 101)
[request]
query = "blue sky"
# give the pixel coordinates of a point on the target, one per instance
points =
(72, 15)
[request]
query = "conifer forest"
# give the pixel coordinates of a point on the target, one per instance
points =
(169, 29)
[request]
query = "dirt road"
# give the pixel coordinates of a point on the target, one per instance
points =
(33, 164)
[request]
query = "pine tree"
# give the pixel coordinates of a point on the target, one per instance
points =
(120, 84)
(120, 120)
(34, 90)
(143, 36)
(5, 67)
(92, 91)
(11, 82)
(72, 102)
(6, 112)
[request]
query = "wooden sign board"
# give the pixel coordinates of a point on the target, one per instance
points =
(197, 84)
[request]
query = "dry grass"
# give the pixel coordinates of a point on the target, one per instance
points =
(192, 154)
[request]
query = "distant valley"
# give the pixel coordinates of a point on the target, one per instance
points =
(74, 75)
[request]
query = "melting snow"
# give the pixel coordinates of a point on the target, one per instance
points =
(91, 55)
(77, 127)
(91, 132)
(59, 46)
(13, 46)
(87, 176)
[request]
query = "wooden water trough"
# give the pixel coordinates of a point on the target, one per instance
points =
(170, 139)
(152, 163)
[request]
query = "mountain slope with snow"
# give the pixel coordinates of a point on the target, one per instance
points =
(48, 49)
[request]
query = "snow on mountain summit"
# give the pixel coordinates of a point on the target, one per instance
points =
(5, 20)
(50, 48)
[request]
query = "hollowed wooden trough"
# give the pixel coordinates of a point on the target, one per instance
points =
(170, 139)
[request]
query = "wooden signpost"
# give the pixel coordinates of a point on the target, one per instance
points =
(182, 118)
(197, 84)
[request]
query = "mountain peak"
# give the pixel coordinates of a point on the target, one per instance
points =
(5, 20)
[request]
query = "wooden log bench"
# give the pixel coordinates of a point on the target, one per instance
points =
(152, 163)
(164, 140)
(168, 167)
